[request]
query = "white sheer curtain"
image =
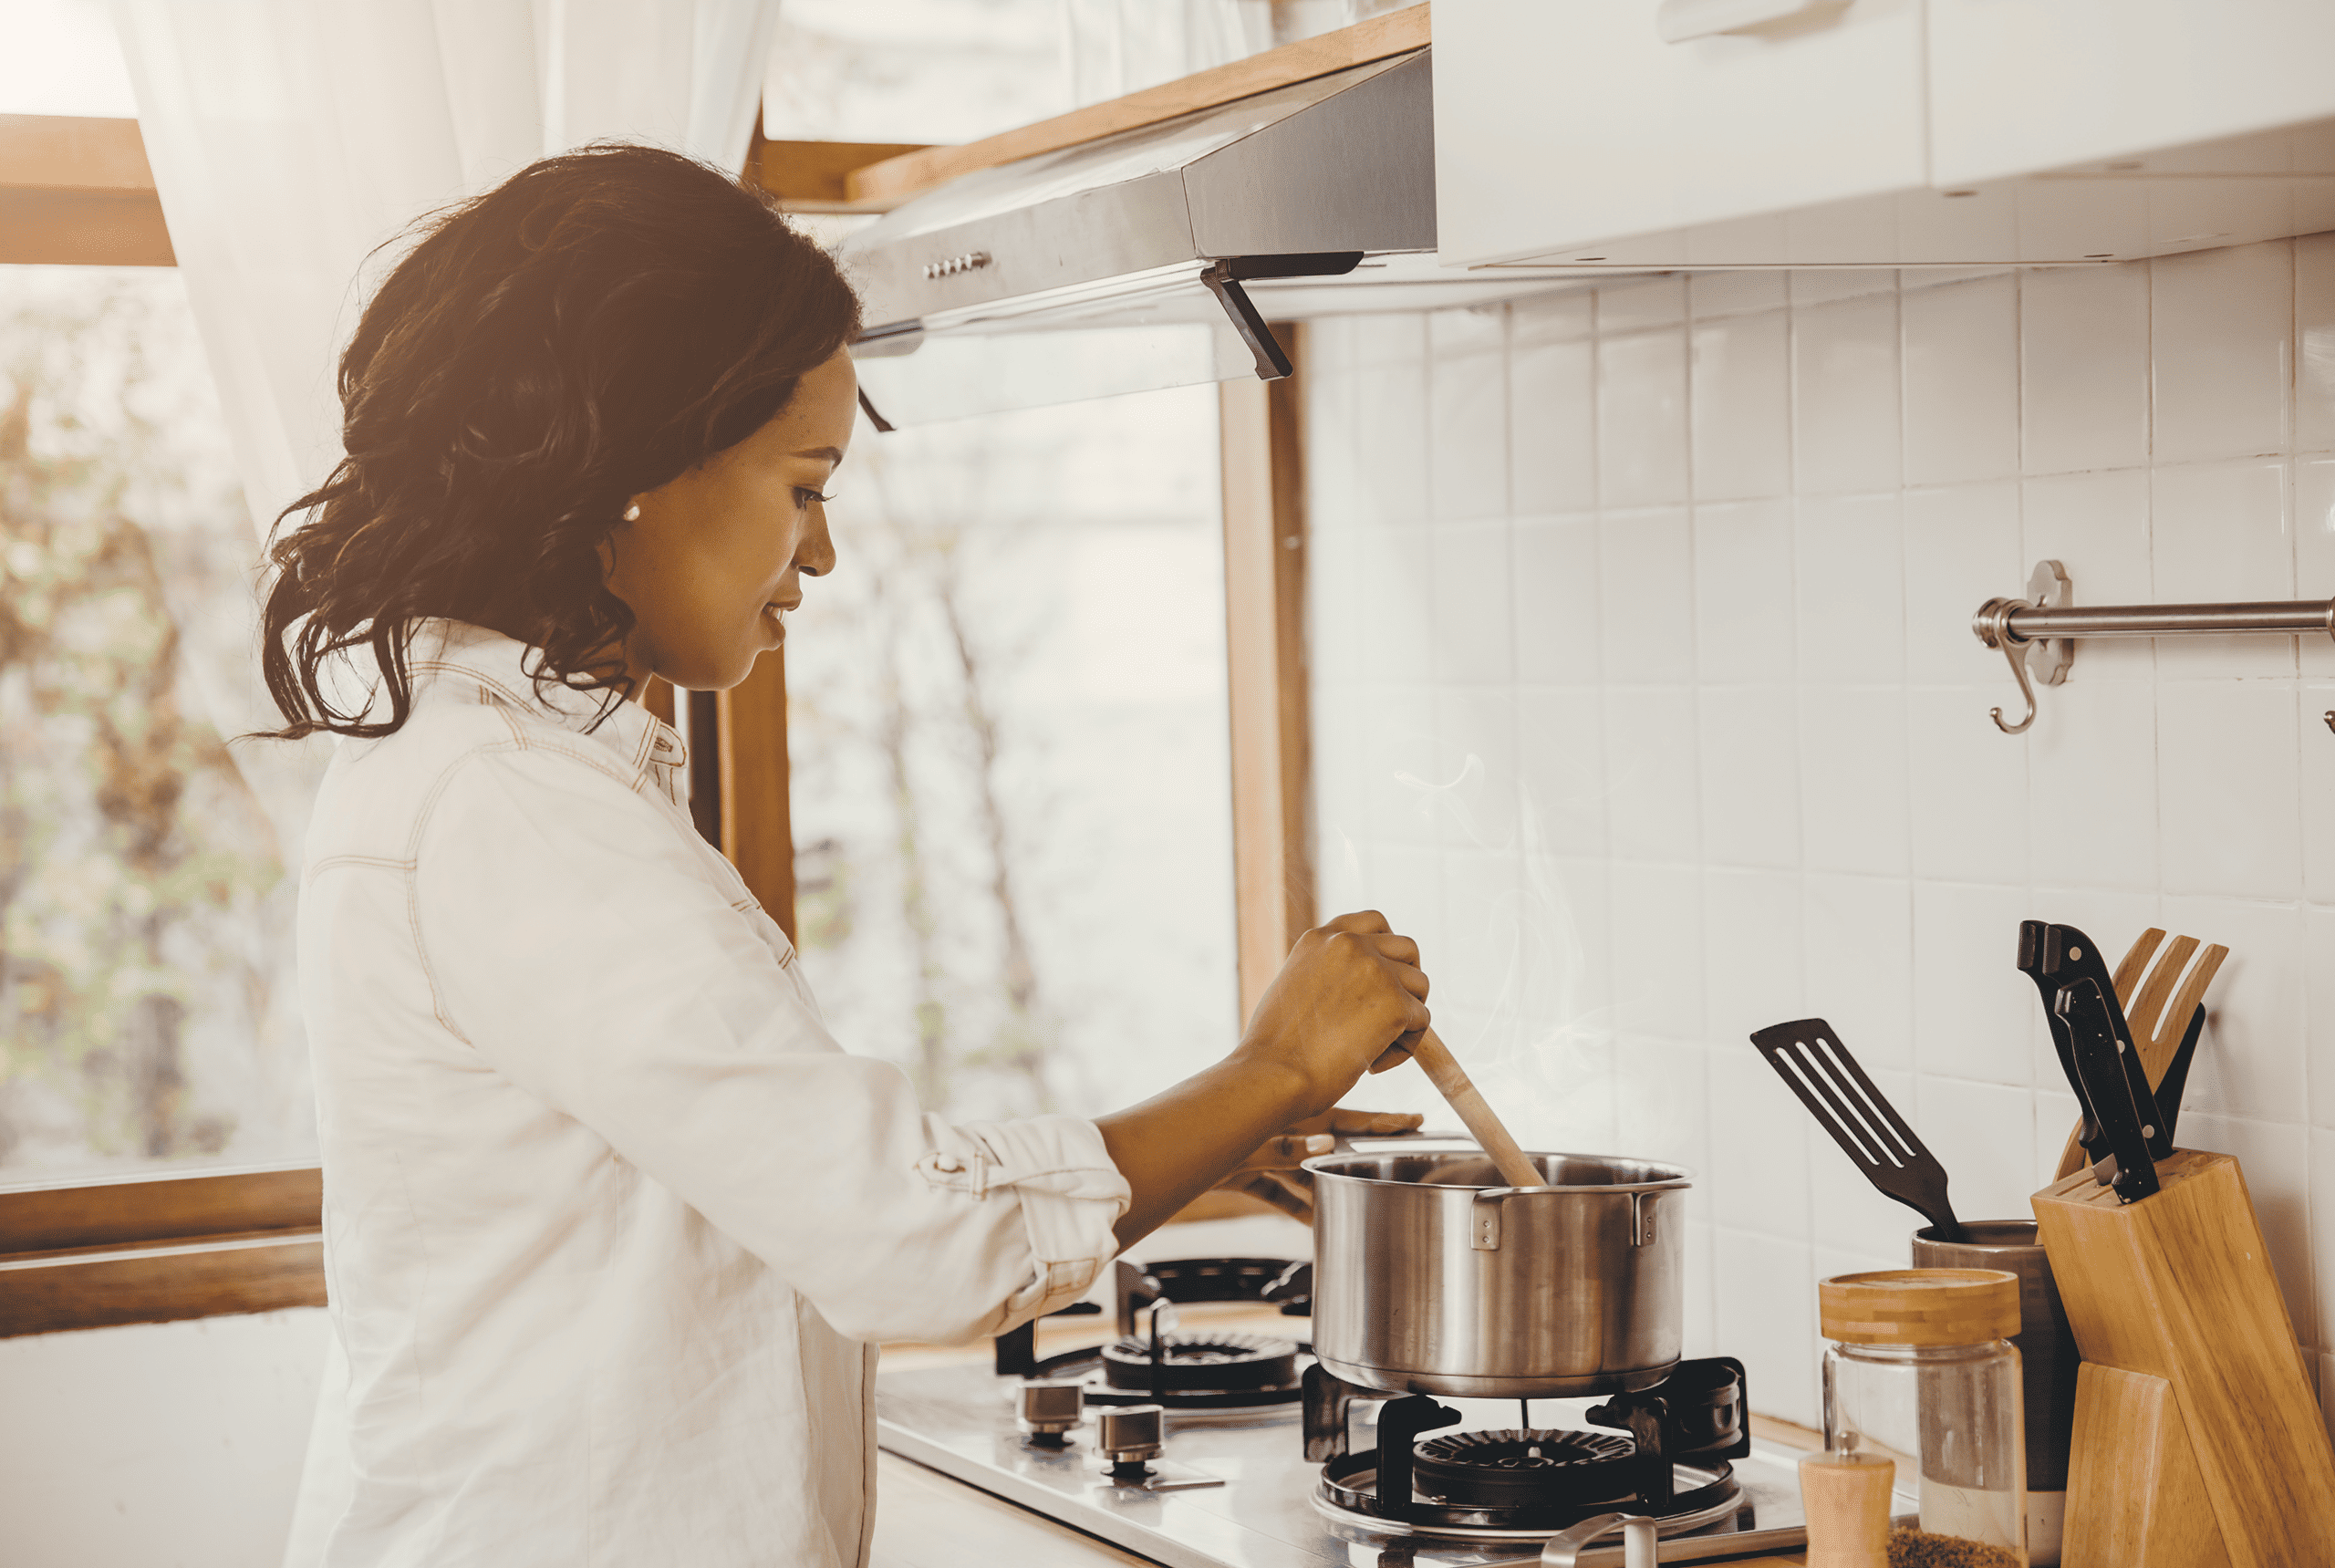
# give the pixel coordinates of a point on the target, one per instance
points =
(291, 138)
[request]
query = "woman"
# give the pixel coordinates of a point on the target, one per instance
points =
(612, 1224)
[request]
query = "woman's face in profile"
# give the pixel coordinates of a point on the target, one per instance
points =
(718, 552)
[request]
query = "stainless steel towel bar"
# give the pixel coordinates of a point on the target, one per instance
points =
(2037, 633)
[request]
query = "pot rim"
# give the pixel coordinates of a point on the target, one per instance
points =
(1680, 1180)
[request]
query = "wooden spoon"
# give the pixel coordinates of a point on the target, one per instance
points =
(1486, 1128)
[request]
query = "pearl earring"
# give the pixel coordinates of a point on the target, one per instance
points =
(632, 512)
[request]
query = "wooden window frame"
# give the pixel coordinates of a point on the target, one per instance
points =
(76, 190)
(1265, 544)
(157, 1248)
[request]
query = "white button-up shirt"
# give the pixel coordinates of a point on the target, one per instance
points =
(611, 1222)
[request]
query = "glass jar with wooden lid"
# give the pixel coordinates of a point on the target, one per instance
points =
(1922, 1398)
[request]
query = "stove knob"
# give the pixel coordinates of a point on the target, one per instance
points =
(1129, 1434)
(1050, 1409)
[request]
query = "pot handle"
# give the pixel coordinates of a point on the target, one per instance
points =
(1484, 1227)
(1483, 1222)
(1640, 1541)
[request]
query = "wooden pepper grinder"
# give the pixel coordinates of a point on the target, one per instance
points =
(1846, 1498)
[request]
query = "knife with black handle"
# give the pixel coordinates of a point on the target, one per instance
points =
(2116, 1087)
(2042, 959)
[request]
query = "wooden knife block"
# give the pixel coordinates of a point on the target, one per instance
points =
(2197, 1442)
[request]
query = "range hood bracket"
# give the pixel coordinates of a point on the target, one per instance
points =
(1272, 362)
(1223, 280)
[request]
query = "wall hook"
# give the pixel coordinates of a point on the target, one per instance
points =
(2043, 626)
(2047, 658)
(2017, 654)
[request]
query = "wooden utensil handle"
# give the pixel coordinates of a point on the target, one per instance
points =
(1451, 1082)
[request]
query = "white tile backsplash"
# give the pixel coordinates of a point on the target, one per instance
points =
(2084, 368)
(2220, 532)
(1552, 427)
(1967, 806)
(1642, 419)
(1473, 638)
(1656, 948)
(2228, 793)
(1561, 769)
(2092, 785)
(1849, 562)
(2096, 526)
(1645, 572)
(1962, 380)
(1857, 940)
(1692, 562)
(1846, 394)
(1750, 760)
(2221, 351)
(2315, 343)
(1651, 787)
(2313, 521)
(1468, 467)
(1743, 571)
(1555, 601)
(1962, 548)
(1971, 1008)
(1390, 460)
(1741, 372)
(1853, 773)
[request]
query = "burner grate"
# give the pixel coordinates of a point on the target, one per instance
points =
(1190, 1362)
(1512, 1466)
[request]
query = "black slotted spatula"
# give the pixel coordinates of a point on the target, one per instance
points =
(1807, 1053)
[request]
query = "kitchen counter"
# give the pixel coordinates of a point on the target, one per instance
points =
(925, 1520)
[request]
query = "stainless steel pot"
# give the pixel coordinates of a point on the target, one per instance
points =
(1429, 1277)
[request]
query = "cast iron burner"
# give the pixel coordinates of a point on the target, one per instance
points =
(1226, 1372)
(1513, 1468)
(1189, 1362)
(1511, 1483)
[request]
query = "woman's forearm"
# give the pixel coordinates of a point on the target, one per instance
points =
(1177, 1145)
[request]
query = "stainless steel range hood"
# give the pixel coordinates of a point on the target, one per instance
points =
(1156, 257)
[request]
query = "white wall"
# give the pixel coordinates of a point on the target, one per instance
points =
(173, 1445)
(1647, 698)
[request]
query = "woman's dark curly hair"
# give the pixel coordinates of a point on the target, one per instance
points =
(594, 326)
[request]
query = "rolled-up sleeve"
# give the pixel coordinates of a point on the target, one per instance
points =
(574, 940)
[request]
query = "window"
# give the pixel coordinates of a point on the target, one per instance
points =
(146, 891)
(1009, 739)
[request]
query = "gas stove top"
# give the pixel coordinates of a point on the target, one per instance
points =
(1234, 1490)
(1214, 1450)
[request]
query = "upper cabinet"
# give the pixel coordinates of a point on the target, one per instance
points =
(2021, 85)
(1659, 133)
(1564, 126)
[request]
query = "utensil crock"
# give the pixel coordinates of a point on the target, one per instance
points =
(2047, 1350)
